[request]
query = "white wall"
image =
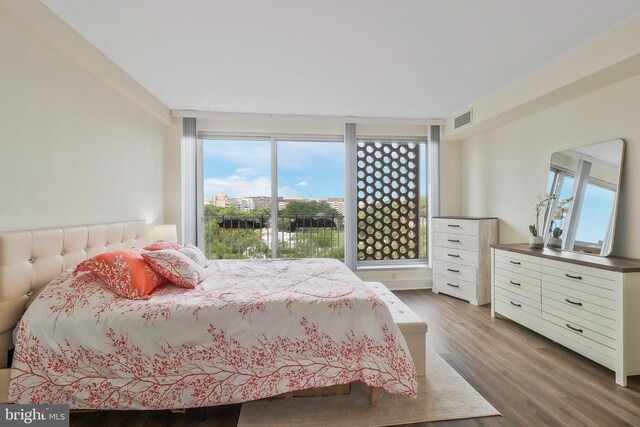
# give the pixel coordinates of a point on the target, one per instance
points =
(506, 168)
(73, 149)
(450, 178)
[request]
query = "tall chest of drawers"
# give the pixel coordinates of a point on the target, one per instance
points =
(461, 257)
(585, 303)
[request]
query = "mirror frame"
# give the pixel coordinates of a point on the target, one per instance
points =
(546, 223)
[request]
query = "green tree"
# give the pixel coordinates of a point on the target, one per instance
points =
(308, 207)
(233, 243)
(423, 206)
(210, 210)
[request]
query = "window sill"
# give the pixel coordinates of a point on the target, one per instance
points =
(412, 266)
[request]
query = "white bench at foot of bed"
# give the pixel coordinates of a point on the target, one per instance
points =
(413, 328)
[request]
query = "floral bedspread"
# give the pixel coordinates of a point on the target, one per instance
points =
(252, 329)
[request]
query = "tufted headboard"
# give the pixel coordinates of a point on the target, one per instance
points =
(29, 259)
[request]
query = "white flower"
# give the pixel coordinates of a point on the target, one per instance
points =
(558, 214)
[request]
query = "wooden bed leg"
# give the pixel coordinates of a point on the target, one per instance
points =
(339, 390)
(202, 414)
(373, 393)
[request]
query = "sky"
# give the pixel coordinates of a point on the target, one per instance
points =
(243, 168)
(596, 211)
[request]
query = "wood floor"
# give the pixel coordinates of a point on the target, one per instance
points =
(528, 378)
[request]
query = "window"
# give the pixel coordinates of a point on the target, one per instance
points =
(284, 196)
(561, 184)
(237, 198)
(246, 217)
(391, 201)
(311, 199)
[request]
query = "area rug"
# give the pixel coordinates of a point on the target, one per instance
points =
(442, 395)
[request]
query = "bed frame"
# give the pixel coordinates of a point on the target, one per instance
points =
(29, 259)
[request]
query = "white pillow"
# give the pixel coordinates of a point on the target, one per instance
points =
(176, 267)
(195, 254)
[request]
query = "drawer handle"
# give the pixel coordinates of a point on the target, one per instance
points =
(517, 305)
(573, 302)
(453, 225)
(453, 255)
(514, 283)
(573, 277)
(453, 286)
(452, 270)
(515, 262)
(574, 329)
(453, 240)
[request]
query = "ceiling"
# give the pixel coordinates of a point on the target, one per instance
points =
(378, 58)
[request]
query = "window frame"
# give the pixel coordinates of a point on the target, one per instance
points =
(350, 171)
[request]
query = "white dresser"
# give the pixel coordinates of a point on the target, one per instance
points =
(461, 257)
(588, 304)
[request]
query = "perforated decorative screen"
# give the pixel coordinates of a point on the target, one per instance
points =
(388, 200)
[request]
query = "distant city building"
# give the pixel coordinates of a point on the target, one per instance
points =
(243, 204)
(261, 202)
(220, 200)
(335, 203)
(254, 203)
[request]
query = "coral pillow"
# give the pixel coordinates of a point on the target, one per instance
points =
(163, 244)
(195, 254)
(124, 272)
(175, 267)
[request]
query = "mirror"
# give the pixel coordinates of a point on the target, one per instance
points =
(585, 184)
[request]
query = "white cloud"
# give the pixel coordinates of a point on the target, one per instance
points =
(303, 184)
(247, 155)
(246, 171)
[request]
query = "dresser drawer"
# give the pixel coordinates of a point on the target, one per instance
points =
(517, 277)
(603, 326)
(577, 311)
(520, 288)
(518, 301)
(522, 264)
(518, 315)
(456, 241)
(454, 287)
(457, 256)
(581, 330)
(575, 287)
(577, 274)
(577, 304)
(588, 348)
(455, 226)
(578, 294)
(456, 271)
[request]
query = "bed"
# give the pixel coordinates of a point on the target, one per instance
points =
(252, 329)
